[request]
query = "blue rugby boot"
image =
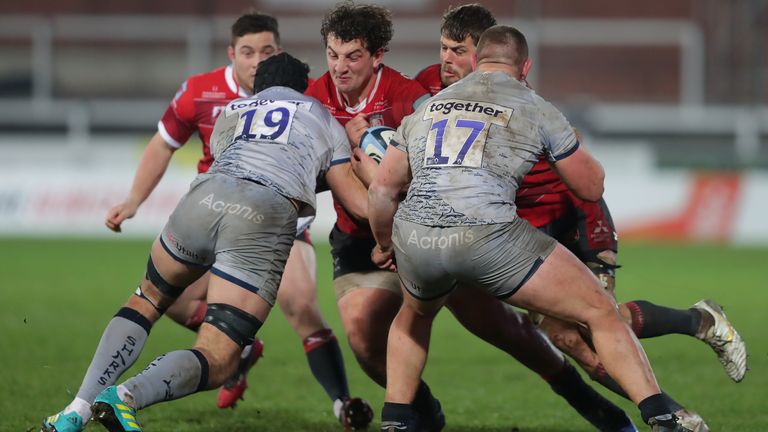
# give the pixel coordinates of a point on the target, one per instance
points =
(63, 422)
(114, 414)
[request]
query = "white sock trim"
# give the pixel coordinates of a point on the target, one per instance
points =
(81, 407)
(337, 404)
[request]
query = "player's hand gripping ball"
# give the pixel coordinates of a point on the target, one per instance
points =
(375, 140)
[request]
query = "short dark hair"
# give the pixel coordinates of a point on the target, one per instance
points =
(281, 69)
(348, 21)
(467, 20)
(254, 22)
(502, 44)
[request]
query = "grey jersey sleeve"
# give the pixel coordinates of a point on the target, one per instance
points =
(399, 139)
(556, 132)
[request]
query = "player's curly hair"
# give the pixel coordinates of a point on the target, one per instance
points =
(348, 21)
(466, 20)
(254, 22)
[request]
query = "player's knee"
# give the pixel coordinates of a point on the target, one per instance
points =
(568, 341)
(602, 309)
(221, 364)
(300, 309)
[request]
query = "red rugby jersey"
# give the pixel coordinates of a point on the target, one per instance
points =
(542, 197)
(392, 97)
(429, 78)
(195, 108)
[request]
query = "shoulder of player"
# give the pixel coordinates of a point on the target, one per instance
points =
(208, 77)
(428, 73)
(394, 76)
(401, 85)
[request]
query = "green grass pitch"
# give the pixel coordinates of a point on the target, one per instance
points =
(57, 295)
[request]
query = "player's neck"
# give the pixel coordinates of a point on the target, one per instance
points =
(498, 67)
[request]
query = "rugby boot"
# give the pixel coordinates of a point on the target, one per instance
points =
(724, 340)
(691, 420)
(666, 423)
(234, 388)
(63, 422)
(113, 413)
(355, 414)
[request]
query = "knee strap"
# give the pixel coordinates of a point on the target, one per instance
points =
(164, 287)
(238, 325)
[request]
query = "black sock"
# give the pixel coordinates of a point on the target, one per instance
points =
(650, 320)
(596, 409)
(674, 406)
(423, 400)
(655, 406)
(396, 414)
(326, 363)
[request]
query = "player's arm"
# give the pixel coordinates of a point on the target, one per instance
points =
(581, 172)
(364, 166)
(383, 198)
(151, 168)
(348, 189)
(356, 127)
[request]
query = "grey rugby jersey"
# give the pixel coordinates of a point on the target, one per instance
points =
(470, 145)
(281, 139)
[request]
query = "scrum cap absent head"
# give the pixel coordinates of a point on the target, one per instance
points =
(281, 70)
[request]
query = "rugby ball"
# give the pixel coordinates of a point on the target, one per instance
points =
(375, 140)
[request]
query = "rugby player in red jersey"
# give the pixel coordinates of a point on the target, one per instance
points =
(360, 91)
(586, 228)
(194, 109)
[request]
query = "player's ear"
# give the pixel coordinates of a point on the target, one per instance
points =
(378, 57)
(526, 67)
(474, 61)
(231, 53)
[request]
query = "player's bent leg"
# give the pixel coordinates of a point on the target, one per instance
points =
(616, 345)
(125, 336)
(366, 314)
(233, 318)
(563, 287)
(499, 324)
(297, 298)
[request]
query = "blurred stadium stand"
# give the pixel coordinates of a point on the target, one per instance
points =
(662, 90)
(689, 77)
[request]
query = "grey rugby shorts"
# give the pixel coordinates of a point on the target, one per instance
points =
(498, 258)
(240, 229)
